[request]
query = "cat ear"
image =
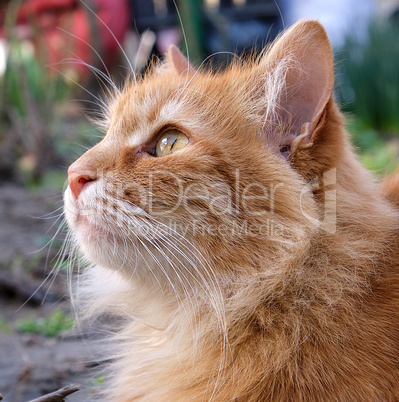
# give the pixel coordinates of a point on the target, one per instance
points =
(179, 61)
(299, 83)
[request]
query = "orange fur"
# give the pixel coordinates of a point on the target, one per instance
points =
(390, 189)
(239, 273)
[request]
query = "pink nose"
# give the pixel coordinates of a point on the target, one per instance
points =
(78, 179)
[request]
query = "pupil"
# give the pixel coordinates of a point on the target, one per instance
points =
(173, 143)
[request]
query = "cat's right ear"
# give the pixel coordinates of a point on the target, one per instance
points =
(298, 84)
(179, 62)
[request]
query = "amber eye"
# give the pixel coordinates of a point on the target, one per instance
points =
(170, 141)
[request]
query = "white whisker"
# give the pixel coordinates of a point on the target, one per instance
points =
(108, 75)
(113, 35)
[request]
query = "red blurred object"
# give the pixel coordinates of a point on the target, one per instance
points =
(62, 30)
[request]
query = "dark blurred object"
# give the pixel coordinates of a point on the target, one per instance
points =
(211, 26)
(395, 17)
(242, 26)
(156, 15)
(159, 17)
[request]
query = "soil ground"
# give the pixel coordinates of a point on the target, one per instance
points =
(32, 365)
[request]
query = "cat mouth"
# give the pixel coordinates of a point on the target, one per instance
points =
(88, 226)
(92, 230)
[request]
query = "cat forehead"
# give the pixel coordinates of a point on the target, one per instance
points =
(136, 115)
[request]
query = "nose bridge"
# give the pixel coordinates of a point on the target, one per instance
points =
(90, 167)
(94, 161)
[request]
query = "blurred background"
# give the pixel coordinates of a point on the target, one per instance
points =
(56, 57)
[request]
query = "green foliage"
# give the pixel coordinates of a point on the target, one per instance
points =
(383, 159)
(94, 384)
(368, 88)
(26, 76)
(21, 263)
(376, 154)
(99, 380)
(368, 77)
(57, 323)
(30, 95)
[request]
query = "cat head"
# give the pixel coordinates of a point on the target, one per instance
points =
(211, 165)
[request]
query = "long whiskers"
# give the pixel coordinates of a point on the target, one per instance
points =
(51, 275)
(113, 35)
(95, 70)
(107, 76)
(98, 99)
(178, 245)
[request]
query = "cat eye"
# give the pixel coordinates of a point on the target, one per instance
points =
(170, 141)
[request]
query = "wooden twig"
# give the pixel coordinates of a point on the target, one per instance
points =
(60, 395)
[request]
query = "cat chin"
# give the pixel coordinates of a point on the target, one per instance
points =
(106, 255)
(102, 247)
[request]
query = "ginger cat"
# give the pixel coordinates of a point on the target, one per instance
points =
(227, 221)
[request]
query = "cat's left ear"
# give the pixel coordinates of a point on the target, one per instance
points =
(179, 62)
